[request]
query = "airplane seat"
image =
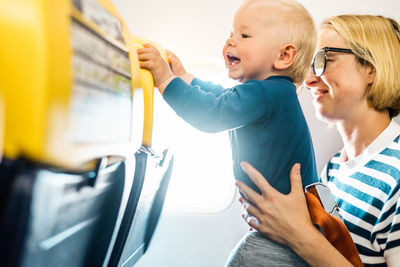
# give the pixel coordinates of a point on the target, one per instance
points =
(14, 211)
(158, 203)
(53, 218)
(80, 98)
(151, 180)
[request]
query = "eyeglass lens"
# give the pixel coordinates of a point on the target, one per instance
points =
(319, 63)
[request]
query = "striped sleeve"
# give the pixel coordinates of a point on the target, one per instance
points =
(392, 245)
(391, 232)
(387, 228)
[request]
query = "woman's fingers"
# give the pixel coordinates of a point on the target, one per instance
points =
(250, 220)
(251, 213)
(276, 215)
(295, 179)
(258, 179)
(251, 209)
(251, 195)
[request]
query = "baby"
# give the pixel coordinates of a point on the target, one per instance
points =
(269, 51)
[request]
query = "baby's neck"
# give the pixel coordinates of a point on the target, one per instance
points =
(276, 73)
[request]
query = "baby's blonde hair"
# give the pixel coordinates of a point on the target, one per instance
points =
(375, 41)
(301, 32)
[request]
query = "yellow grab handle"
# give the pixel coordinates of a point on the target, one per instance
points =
(147, 83)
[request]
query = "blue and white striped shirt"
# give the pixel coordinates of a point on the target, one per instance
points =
(367, 190)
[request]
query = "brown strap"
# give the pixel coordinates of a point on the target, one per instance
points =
(334, 230)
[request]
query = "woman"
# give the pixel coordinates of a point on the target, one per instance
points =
(356, 87)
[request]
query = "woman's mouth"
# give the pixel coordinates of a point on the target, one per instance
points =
(232, 60)
(319, 93)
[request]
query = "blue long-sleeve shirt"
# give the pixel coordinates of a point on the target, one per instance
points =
(266, 123)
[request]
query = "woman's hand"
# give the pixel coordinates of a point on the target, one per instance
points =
(152, 60)
(283, 218)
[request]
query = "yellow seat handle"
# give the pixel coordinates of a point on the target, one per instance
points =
(147, 83)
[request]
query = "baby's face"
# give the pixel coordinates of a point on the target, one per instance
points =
(254, 43)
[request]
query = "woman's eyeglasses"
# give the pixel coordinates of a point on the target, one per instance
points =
(319, 61)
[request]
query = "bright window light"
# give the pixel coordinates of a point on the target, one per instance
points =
(202, 177)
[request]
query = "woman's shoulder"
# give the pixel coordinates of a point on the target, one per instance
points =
(392, 147)
(396, 122)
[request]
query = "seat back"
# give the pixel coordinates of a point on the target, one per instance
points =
(53, 218)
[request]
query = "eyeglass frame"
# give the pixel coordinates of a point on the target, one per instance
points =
(328, 49)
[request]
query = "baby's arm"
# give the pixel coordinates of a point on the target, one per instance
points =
(178, 69)
(152, 60)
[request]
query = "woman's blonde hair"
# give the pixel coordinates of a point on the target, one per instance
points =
(375, 41)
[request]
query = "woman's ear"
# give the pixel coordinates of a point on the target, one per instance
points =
(286, 57)
(371, 72)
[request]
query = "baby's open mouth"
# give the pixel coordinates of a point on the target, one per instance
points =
(232, 59)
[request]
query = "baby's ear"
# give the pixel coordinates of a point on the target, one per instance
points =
(286, 58)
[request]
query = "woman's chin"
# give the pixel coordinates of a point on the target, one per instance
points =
(325, 116)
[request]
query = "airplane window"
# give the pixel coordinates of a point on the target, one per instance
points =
(202, 177)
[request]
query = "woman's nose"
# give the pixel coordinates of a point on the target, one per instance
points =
(311, 79)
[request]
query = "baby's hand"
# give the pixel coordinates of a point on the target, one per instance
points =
(152, 60)
(178, 69)
(176, 65)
